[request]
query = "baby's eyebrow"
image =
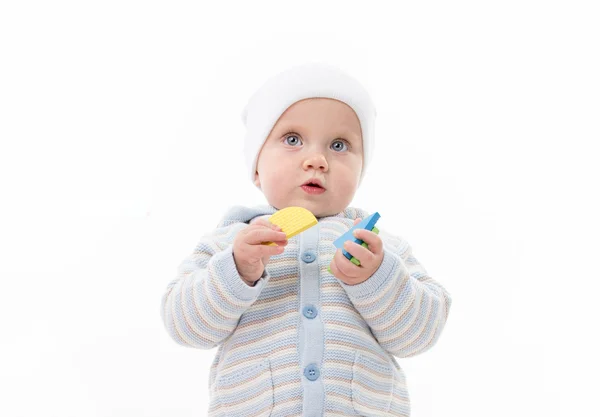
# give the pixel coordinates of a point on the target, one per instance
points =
(346, 132)
(291, 127)
(351, 135)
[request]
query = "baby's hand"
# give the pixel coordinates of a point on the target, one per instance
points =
(370, 259)
(250, 255)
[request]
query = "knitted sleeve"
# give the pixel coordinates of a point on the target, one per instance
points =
(405, 308)
(202, 306)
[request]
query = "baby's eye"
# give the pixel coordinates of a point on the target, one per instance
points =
(292, 140)
(338, 145)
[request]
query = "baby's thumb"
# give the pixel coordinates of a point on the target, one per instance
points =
(267, 223)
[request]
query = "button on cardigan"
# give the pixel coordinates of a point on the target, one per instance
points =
(300, 342)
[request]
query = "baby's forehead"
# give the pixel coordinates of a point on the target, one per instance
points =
(323, 119)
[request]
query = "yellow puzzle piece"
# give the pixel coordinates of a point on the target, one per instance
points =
(292, 220)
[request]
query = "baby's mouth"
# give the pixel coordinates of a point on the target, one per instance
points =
(313, 184)
(312, 188)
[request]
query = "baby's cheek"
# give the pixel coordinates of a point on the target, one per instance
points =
(275, 192)
(346, 189)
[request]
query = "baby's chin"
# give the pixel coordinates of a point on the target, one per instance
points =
(317, 208)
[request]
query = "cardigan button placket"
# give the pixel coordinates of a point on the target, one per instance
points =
(309, 311)
(309, 256)
(311, 372)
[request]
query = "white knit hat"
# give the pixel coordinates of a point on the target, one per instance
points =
(310, 80)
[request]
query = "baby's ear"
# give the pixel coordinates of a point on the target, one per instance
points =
(256, 180)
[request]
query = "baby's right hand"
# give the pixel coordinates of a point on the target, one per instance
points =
(250, 255)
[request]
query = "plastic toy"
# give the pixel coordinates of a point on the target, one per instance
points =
(292, 220)
(368, 224)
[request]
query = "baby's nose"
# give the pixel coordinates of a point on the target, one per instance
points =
(316, 162)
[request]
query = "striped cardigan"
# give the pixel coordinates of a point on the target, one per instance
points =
(301, 342)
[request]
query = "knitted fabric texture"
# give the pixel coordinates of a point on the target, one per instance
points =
(301, 342)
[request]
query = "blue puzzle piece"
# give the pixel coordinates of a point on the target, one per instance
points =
(368, 224)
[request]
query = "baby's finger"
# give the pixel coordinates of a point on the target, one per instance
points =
(280, 243)
(267, 250)
(267, 223)
(335, 271)
(373, 240)
(364, 255)
(260, 251)
(345, 266)
(357, 221)
(263, 234)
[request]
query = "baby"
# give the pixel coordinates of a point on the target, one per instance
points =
(295, 339)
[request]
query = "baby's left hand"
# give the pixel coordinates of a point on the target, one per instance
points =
(370, 259)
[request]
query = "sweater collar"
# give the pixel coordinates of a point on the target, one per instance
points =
(243, 214)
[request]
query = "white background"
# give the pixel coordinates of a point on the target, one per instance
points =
(121, 145)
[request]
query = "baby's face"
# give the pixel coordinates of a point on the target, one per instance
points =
(314, 138)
